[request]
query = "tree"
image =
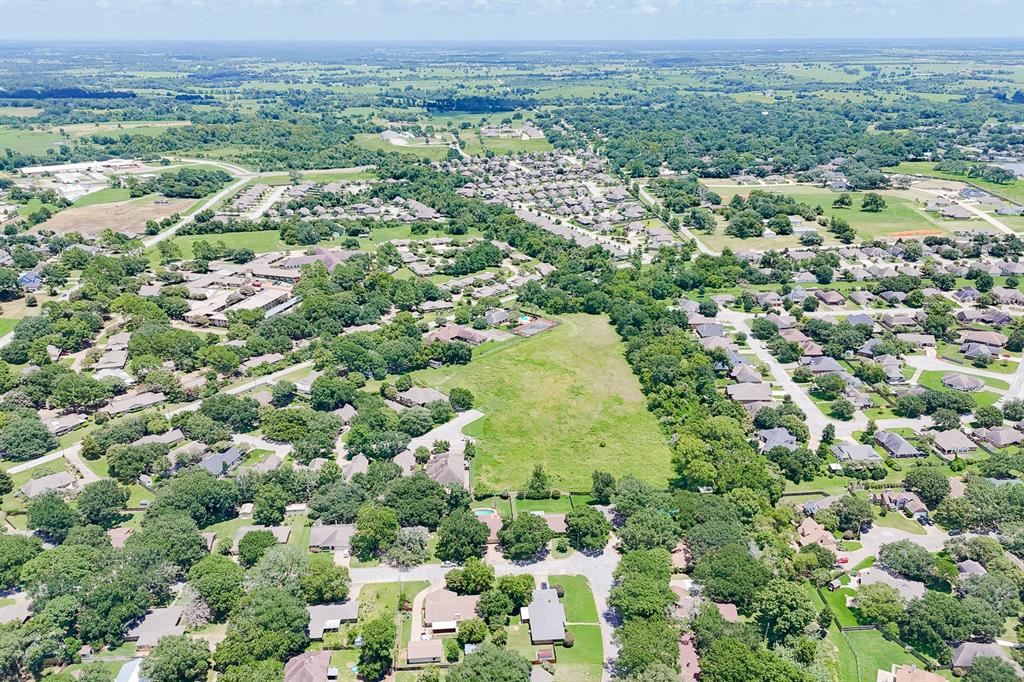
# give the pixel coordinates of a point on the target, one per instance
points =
(782, 610)
(930, 483)
(409, 548)
(23, 438)
(842, 409)
(731, 575)
(732, 660)
(329, 392)
(101, 502)
(988, 416)
(1014, 409)
(269, 624)
(853, 512)
(253, 545)
(15, 552)
(603, 487)
(268, 505)
(378, 641)
(324, 583)
(649, 528)
(908, 559)
(177, 658)
(418, 500)
(494, 607)
(518, 588)
(523, 537)
(473, 630)
(587, 528)
(644, 644)
(990, 669)
(460, 536)
(218, 580)
(844, 200)
(282, 393)
(376, 530)
(879, 604)
(338, 502)
(475, 577)
(6, 483)
(461, 399)
(945, 419)
(50, 514)
(221, 359)
(490, 664)
(873, 203)
(538, 487)
(171, 535)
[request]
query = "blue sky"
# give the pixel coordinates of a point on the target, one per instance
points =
(508, 19)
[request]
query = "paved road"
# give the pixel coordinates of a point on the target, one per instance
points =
(872, 541)
(683, 229)
(450, 431)
(282, 450)
(243, 387)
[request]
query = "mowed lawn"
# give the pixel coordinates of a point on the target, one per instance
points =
(565, 399)
(260, 242)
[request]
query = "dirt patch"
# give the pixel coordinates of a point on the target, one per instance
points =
(916, 233)
(123, 216)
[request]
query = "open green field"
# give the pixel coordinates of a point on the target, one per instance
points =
(7, 325)
(566, 399)
(28, 141)
(1011, 190)
(901, 214)
(508, 145)
(868, 652)
(933, 379)
(578, 600)
(21, 112)
(104, 196)
(435, 152)
(260, 242)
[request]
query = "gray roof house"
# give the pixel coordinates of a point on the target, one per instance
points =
(157, 623)
(749, 393)
(953, 442)
(895, 444)
(908, 589)
(44, 484)
(1000, 436)
(330, 537)
(964, 655)
(546, 616)
(218, 463)
(418, 395)
(329, 617)
(856, 453)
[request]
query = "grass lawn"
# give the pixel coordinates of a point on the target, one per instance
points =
(933, 379)
(508, 145)
(1012, 190)
(28, 141)
(7, 325)
(504, 507)
(260, 242)
(565, 395)
(560, 506)
(578, 600)
(372, 141)
(867, 562)
(376, 599)
(104, 196)
(900, 522)
(344, 660)
(837, 602)
(580, 663)
(872, 652)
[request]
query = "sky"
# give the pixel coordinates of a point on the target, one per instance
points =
(459, 20)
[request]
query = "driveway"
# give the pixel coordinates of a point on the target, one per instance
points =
(450, 431)
(933, 540)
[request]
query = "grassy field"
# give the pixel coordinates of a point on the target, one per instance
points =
(868, 652)
(900, 522)
(21, 112)
(564, 397)
(104, 196)
(372, 141)
(578, 600)
(260, 242)
(581, 663)
(7, 325)
(28, 141)
(1012, 190)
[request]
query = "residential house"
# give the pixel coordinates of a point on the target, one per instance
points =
(280, 533)
(546, 617)
(999, 436)
(953, 443)
(856, 453)
(329, 617)
(749, 393)
(810, 532)
(902, 500)
(895, 444)
(443, 610)
(908, 589)
(157, 623)
(311, 666)
(962, 382)
(65, 423)
(964, 655)
(324, 537)
(219, 463)
(62, 480)
(908, 673)
(420, 396)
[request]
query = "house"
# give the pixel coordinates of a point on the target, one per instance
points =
(775, 438)
(443, 610)
(908, 673)
(708, 330)
(745, 374)
(218, 463)
(546, 617)
(964, 655)
(455, 332)
(969, 567)
(329, 617)
(312, 666)
(749, 393)
(966, 294)
(810, 532)
(157, 623)
(999, 437)
(962, 382)
(131, 402)
(330, 537)
(280, 533)
(539, 674)
(897, 320)
(268, 464)
(66, 423)
(420, 396)
(856, 453)
(895, 444)
(447, 468)
(821, 365)
(62, 480)
(860, 319)
(170, 437)
(357, 465)
(908, 589)
(917, 340)
(902, 500)
(496, 316)
(830, 297)
(996, 339)
(953, 443)
(424, 651)
(972, 351)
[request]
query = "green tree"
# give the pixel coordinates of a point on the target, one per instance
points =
(471, 631)
(375, 657)
(988, 416)
(177, 658)
(782, 610)
(268, 505)
(15, 552)
(475, 577)
(50, 514)
(218, 580)
(269, 624)
(908, 559)
(930, 483)
(253, 545)
(603, 487)
(649, 528)
(873, 203)
(460, 536)
(879, 604)
(324, 583)
(587, 528)
(376, 530)
(494, 607)
(490, 664)
(523, 537)
(990, 669)
(101, 502)
(853, 512)
(844, 200)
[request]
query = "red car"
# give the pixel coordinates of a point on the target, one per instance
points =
(843, 560)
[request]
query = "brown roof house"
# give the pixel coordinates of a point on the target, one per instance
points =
(330, 537)
(312, 666)
(424, 651)
(810, 532)
(157, 623)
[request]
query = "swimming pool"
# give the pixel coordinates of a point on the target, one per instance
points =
(485, 512)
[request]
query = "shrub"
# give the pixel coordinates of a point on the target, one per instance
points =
(569, 640)
(451, 650)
